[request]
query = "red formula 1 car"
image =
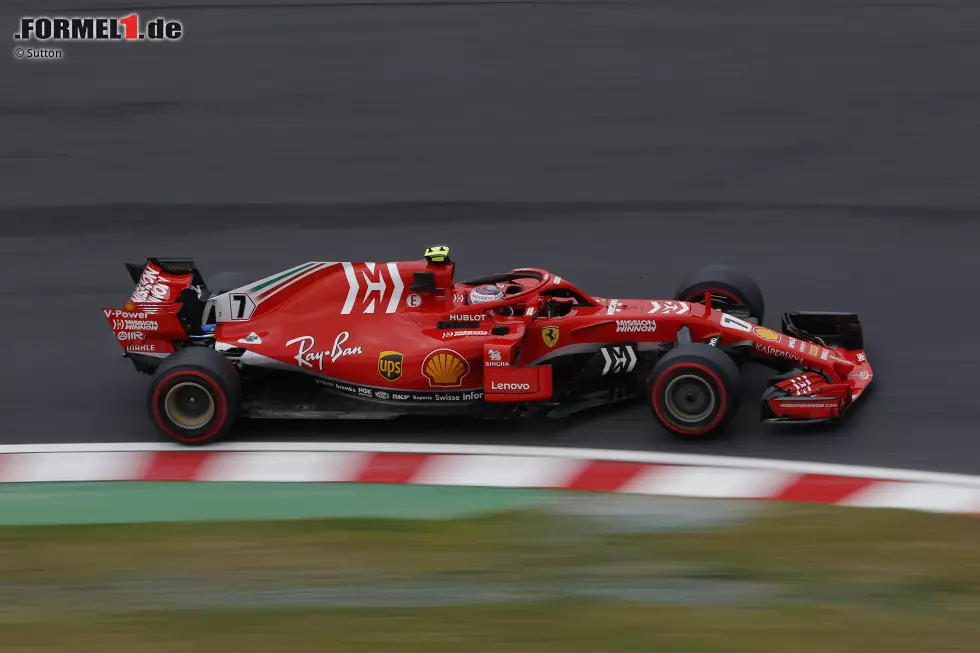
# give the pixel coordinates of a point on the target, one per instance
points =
(328, 340)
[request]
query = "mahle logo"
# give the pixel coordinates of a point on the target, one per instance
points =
(390, 365)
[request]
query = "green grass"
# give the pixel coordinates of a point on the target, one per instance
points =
(847, 579)
(542, 628)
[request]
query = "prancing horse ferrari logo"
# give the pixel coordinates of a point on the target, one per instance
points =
(550, 336)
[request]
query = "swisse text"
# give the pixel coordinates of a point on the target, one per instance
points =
(466, 396)
(509, 386)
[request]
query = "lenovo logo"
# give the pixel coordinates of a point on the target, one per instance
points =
(509, 386)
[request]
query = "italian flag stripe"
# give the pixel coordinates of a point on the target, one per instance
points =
(265, 284)
(268, 292)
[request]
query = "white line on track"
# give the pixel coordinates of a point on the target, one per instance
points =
(829, 469)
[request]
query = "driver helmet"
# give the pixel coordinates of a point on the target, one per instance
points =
(485, 293)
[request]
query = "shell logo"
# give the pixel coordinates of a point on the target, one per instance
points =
(445, 368)
(766, 334)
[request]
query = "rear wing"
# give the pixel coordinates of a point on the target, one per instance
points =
(176, 268)
(164, 309)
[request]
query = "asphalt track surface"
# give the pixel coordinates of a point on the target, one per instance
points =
(829, 148)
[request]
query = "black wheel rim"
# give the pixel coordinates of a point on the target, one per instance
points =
(189, 405)
(689, 399)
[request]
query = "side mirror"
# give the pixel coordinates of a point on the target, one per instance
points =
(534, 306)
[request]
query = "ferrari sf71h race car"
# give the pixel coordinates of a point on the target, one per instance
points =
(333, 340)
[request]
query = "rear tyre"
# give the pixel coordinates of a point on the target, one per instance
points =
(195, 396)
(693, 390)
(727, 286)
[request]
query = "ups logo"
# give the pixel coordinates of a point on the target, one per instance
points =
(390, 365)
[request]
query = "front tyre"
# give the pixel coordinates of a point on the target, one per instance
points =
(195, 396)
(693, 390)
(728, 288)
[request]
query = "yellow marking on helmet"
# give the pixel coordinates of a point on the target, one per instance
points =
(437, 254)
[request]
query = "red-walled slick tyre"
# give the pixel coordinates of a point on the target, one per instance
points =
(693, 390)
(195, 396)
